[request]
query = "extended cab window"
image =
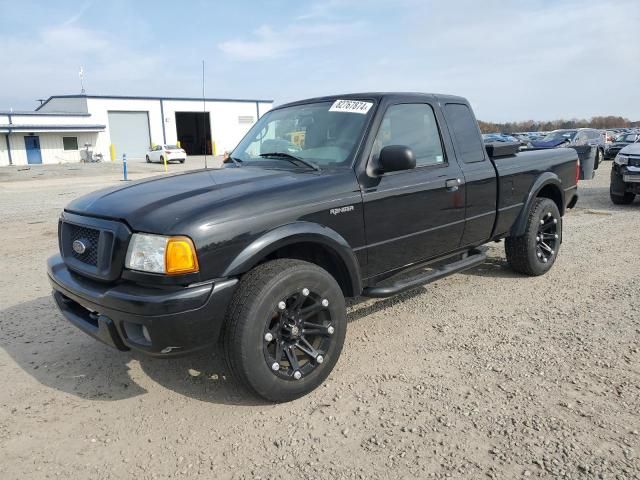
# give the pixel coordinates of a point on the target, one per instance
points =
(464, 130)
(413, 126)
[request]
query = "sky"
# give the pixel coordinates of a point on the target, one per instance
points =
(514, 60)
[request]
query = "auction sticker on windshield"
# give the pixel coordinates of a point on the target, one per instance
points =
(351, 106)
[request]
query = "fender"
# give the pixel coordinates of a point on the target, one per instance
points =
(546, 178)
(292, 233)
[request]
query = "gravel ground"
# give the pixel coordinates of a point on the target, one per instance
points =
(483, 374)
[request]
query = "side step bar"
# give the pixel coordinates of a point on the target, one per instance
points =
(475, 258)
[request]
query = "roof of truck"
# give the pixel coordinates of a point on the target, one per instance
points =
(378, 96)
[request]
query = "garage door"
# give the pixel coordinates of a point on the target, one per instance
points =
(130, 133)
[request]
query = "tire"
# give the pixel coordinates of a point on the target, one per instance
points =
(161, 159)
(148, 159)
(256, 311)
(535, 252)
(598, 159)
(625, 199)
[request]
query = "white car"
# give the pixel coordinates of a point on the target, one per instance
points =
(169, 152)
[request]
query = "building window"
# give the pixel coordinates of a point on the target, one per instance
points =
(245, 120)
(70, 143)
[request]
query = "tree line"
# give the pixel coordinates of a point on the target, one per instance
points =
(610, 121)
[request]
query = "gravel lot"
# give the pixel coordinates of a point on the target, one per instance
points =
(486, 374)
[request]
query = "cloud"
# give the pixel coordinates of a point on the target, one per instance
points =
(270, 42)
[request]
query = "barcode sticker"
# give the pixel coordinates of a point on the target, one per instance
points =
(351, 106)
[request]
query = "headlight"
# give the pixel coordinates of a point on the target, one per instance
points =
(621, 159)
(160, 254)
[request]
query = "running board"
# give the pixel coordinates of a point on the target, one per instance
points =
(475, 258)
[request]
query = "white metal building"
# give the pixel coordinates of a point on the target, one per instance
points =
(61, 127)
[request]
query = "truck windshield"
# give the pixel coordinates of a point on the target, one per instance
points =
(324, 133)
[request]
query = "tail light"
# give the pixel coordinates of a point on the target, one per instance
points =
(577, 171)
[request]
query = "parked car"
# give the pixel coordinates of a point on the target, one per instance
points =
(260, 255)
(499, 137)
(621, 141)
(625, 175)
(172, 153)
(572, 138)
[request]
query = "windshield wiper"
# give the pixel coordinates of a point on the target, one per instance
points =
(292, 159)
(236, 161)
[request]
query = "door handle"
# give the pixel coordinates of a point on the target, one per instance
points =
(453, 184)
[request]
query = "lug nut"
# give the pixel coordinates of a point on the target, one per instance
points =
(297, 375)
(555, 236)
(282, 305)
(553, 252)
(268, 336)
(305, 292)
(325, 302)
(541, 222)
(275, 366)
(330, 329)
(319, 359)
(555, 220)
(544, 260)
(537, 239)
(539, 255)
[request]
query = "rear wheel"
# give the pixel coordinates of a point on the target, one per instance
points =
(535, 252)
(285, 329)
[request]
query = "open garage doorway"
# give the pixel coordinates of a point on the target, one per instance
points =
(194, 132)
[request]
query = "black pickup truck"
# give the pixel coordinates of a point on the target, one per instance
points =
(362, 194)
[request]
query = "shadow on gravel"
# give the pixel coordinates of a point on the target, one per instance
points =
(493, 267)
(58, 355)
(361, 307)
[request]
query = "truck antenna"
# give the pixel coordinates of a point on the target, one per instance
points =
(204, 119)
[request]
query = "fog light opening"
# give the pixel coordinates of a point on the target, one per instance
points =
(145, 334)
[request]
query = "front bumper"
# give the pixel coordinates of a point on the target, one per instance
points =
(178, 320)
(625, 179)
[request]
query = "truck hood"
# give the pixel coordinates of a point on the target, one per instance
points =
(631, 149)
(160, 204)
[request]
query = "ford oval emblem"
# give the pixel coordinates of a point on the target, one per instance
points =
(79, 247)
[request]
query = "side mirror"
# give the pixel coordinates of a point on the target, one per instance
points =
(396, 157)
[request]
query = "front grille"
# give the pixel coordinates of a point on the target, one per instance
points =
(89, 238)
(105, 245)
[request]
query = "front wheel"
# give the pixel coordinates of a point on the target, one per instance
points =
(285, 329)
(535, 252)
(625, 199)
(148, 159)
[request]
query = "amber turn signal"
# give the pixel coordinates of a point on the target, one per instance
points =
(180, 256)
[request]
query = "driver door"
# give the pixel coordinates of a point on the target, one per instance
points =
(413, 215)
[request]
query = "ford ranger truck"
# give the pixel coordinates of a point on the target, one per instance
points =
(342, 196)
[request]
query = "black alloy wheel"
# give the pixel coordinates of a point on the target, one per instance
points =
(547, 238)
(285, 329)
(298, 335)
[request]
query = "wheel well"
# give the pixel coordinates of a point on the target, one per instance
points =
(552, 192)
(320, 255)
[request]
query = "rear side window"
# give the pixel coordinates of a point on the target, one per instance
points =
(412, 125)
(464, 130)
